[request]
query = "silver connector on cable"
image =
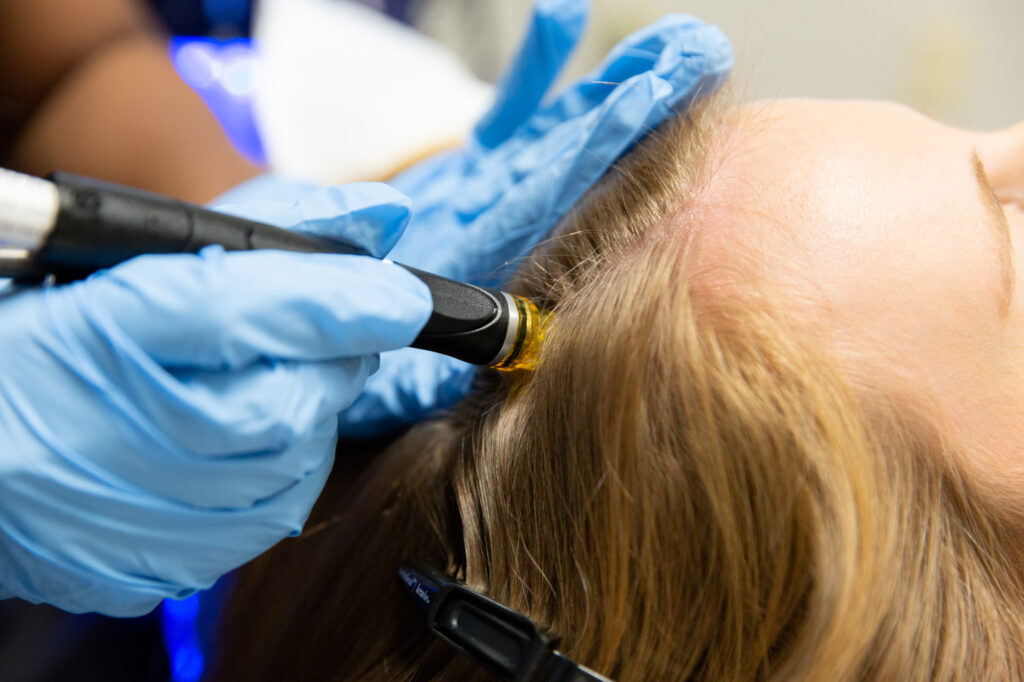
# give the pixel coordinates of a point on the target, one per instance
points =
(28, 213)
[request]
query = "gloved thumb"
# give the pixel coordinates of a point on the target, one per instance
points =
(409, 385)
(555, 28)
(370, 216)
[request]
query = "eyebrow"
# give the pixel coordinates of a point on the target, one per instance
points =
(1001, 228)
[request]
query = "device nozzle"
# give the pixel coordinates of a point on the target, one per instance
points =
(529, 336)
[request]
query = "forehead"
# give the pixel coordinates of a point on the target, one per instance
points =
(811, 187)
(818, 157)
(869, 221)
(830, 122)
(865, 213)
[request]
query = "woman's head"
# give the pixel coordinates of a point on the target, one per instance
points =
(892, 233)
(724, 411)
(711, 473)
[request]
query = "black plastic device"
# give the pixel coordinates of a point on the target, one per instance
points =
(504, 641)
(100, 224)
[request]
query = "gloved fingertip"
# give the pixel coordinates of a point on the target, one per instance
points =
(411, 385)
(554, 30)
(363, 196)
(368, 215)
(210, 253)
(719, 55)
(268, 187)
(181, 594)
(564, 18)
(368, 305)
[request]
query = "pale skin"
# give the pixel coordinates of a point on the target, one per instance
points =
(878, 226)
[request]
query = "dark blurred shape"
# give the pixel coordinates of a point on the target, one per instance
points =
(190, 630)
(39, 643)
(224, 18)
(233, 18)
(229, 15)
(399, 9)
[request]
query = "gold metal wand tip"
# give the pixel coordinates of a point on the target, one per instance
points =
(530, 335)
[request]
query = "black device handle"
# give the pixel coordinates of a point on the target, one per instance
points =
(468, 322)
(124, 222)
(498, 638)
(101, 224)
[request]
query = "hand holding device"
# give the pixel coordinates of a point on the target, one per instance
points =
(169, 419)
(478, 209)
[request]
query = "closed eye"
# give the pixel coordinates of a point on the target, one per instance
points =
(1001, 228)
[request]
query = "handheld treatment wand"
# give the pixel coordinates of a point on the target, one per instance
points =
(69, 226)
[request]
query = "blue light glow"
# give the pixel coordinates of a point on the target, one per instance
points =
(181, 638)
(224, 73)
(187, 665)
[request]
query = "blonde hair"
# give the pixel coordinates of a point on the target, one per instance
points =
(686, 487)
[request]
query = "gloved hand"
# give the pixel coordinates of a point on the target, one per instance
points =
(481, 207)
(167, 420)
(528, 162)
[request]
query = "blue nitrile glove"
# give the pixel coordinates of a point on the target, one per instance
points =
(167, 420)
(528, 162)
(481, 207)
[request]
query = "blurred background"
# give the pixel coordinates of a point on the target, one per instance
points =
(953, 59)
(958, 60)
